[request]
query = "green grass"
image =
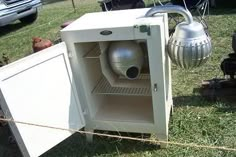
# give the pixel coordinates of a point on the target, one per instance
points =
(20, 45)
(195, 120)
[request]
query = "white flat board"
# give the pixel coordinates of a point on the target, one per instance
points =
(110, 19)
(39, 89)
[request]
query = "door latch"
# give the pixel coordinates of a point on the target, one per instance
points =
(155, 87)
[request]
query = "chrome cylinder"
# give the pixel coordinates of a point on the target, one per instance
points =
(126, 58)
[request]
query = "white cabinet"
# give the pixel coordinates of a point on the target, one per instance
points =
(49, 89)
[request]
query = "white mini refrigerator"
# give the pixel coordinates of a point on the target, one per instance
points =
(94, 80)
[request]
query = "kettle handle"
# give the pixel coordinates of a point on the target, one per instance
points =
(171, 9)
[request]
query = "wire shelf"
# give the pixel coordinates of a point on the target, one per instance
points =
(104, 87)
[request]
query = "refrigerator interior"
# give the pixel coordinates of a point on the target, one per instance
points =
(123, 100)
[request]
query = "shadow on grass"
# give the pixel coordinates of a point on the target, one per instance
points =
(51, 1)
(225, 104)
(7, 149)
(11, 28)
(222, 11)
(77, 145)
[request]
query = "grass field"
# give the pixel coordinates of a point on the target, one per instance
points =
(195, 120)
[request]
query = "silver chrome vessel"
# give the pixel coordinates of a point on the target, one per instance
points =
(189, 46)
(126, 58)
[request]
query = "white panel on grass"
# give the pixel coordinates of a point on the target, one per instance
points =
(39, 89)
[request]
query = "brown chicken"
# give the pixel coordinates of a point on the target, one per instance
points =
(39, 44)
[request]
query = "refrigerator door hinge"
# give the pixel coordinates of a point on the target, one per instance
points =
(144, 29)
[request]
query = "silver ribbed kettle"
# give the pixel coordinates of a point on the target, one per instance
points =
(190, 45)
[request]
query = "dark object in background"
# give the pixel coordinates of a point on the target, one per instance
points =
(223, 89)
(189, 3)
(228, 65)
(216, 89)
(122, 4)
(234, 41)
(224, 4)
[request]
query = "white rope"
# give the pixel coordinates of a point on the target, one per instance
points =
(124, 137)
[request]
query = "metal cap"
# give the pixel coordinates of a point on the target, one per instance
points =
(192, 30)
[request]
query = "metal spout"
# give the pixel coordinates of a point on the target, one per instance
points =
(171, 9)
